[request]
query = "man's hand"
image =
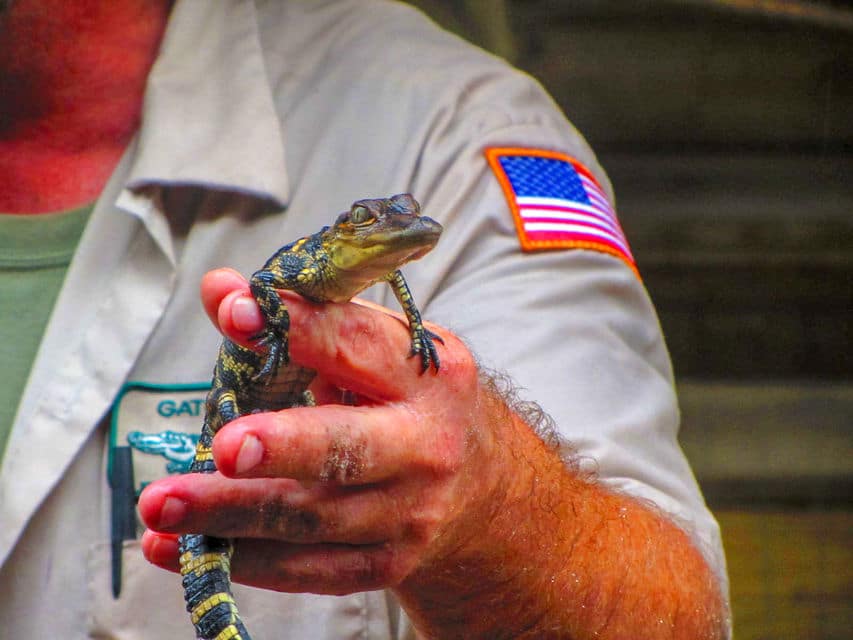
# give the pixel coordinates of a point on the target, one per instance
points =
(429, 485)
(334, 498)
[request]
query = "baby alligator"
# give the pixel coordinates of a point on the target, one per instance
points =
(367, 244)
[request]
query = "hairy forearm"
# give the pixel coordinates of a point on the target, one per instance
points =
(555, 555)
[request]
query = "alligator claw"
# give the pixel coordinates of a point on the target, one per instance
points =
(277, 355)
(423, 345)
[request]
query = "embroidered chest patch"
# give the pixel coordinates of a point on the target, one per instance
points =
(557, 203)
(153, 432)
(155, 429)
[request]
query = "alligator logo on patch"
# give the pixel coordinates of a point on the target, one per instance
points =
(178, 448)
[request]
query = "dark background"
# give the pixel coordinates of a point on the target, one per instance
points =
(727, 129)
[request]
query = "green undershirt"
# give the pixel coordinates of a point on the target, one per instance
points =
(35, 251)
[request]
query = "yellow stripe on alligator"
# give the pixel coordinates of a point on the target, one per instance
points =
(203, 563)
(203, 453)
(229, 633)
(212, 601)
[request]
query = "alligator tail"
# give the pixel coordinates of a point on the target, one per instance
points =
(206, 570)
(205, 567)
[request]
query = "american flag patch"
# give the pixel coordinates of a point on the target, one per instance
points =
(557, 203)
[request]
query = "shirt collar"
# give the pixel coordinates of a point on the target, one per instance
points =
(209, 116)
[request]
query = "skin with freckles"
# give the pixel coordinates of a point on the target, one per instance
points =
(457, 506)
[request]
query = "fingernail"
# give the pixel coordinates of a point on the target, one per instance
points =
(159, 549)
(246, 315)
(172, 512)
(250, 454)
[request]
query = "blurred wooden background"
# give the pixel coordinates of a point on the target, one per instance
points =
(727, 129)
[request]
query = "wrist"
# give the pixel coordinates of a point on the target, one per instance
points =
(486, 572)
(545, 551)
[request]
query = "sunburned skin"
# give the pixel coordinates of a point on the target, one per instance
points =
(486, 529)
(72, 77)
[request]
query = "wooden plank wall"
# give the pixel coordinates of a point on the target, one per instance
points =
(790, 573)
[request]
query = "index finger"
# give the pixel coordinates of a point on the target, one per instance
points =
(361, 347)
(215, 287)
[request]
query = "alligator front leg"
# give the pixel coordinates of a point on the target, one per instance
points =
(423, 340)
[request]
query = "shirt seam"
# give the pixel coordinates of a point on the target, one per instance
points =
(44, 260)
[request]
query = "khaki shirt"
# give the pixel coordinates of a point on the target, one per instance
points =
(261, 123)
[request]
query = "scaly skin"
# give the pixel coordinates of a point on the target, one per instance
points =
(365, 245)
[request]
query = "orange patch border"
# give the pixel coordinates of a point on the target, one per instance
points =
(493, 155)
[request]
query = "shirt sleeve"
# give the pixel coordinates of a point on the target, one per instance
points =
(574, 328)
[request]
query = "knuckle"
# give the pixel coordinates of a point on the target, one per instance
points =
(421, 516)
(369, 569)
(360, 332)
(345, 459)
(278, 518)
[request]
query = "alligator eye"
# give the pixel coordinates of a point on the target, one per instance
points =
(361, 215)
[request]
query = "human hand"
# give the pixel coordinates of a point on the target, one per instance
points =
(431, 486)
(337, 499)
